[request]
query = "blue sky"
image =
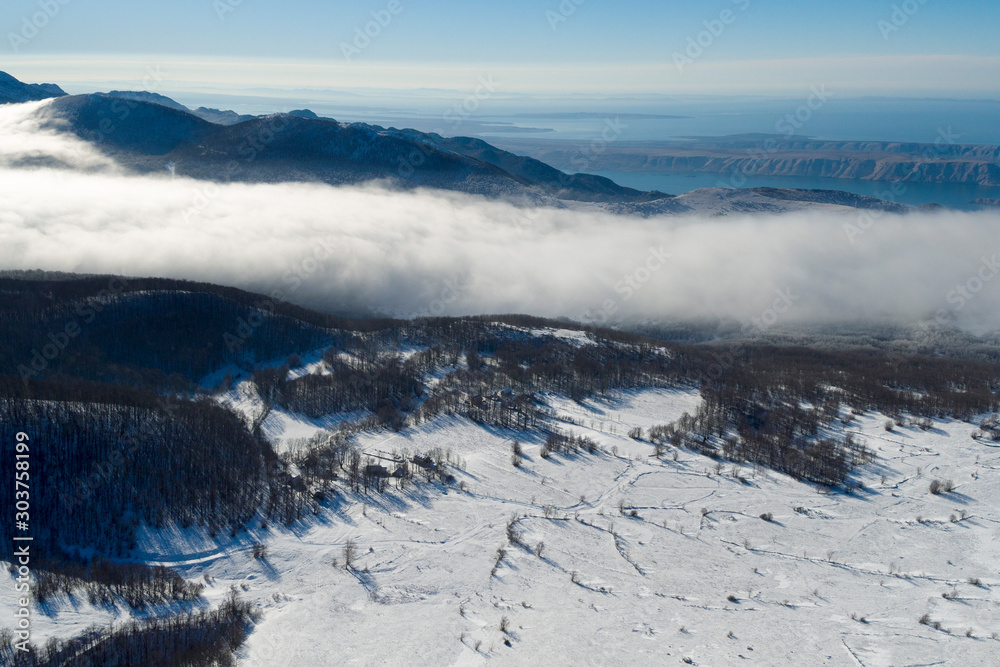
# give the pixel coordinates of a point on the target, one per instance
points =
(625, 46)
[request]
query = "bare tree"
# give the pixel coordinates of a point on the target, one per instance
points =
(517, 454)
(350, 554)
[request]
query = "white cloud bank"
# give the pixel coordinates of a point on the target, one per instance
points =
(432, 252)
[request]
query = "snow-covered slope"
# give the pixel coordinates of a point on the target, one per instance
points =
(621, 558)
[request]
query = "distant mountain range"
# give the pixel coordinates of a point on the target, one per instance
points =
(148, 133)
(151, 133)
(941, 161)
(211, 115)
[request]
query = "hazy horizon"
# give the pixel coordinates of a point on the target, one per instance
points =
(909, 49)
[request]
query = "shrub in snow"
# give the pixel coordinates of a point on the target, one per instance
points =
(939, 487)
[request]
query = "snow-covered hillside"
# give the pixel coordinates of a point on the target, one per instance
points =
(622, 558)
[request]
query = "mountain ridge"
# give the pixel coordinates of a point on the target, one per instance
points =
(148, 133)
(13, 91)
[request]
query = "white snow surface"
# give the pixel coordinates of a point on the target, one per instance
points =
(574, 336)
(833, 579)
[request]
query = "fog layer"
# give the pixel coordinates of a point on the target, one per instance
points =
(420, 253)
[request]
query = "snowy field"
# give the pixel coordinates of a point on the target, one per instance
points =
(695, 576)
